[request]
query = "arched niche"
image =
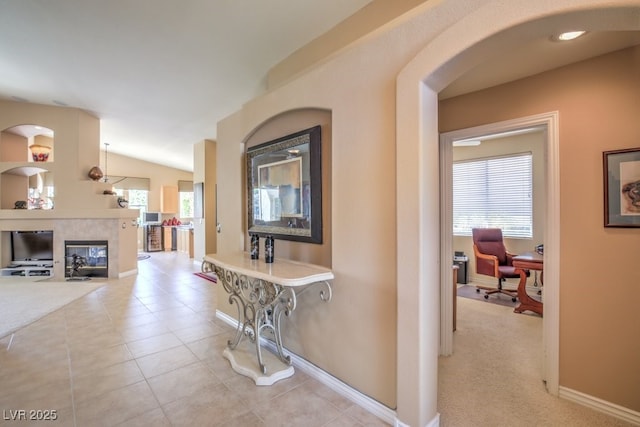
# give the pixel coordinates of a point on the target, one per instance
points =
(20, 143)
(26, 152)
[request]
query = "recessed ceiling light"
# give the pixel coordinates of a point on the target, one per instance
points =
(569, 35)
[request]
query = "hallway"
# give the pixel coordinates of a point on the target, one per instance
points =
(147, 350)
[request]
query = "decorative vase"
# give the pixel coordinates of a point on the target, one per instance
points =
(95, 173)
(268, 250)
(39, 153)
(255, 246)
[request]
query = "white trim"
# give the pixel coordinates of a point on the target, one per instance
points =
(372, 406)
(600, 405)
(435, 422)
(551, 319)
(128, 273)
(446, 245)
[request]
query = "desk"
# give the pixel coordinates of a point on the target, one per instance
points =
(263, 293)
(530, 261)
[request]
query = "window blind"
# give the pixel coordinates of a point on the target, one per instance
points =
(185, 186)
(494, 192)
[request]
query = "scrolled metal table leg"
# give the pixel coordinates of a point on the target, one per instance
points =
(285, 304)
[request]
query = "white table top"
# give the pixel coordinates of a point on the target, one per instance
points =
(281, 271)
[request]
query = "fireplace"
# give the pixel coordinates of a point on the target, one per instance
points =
(86, 258)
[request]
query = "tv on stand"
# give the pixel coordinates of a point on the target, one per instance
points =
(31, 253)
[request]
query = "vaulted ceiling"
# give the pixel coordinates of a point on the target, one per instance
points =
(158, 73)
(161, 73)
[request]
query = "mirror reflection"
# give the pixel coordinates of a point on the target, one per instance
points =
(284, 187)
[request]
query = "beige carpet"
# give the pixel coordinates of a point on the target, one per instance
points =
(494, 377)
(23, 301)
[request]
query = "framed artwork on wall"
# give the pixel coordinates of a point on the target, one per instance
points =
(284, 187)
(621, 170)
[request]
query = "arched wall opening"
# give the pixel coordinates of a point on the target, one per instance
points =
(455, 51)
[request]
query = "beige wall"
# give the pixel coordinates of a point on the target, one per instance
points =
(383, 115)
(598, 106)
(13, 148)
(374, 15)
(14, 188)
(353, 336)
(204, 170)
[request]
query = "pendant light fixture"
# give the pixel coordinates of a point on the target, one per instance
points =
(106, 153)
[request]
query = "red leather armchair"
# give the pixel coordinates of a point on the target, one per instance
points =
(492, 259)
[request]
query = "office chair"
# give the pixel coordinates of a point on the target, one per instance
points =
(492, 259)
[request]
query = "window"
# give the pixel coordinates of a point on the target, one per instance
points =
(494, 192)
(185, 194)
(134, 190)
(138, 199)
(186, 204)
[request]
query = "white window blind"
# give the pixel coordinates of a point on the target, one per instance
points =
(493, 192)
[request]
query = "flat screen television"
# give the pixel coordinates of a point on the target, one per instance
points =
(32, 247)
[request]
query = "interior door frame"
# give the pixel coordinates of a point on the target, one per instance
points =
(551, 319)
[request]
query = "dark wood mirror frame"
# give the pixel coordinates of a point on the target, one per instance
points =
(284, 187)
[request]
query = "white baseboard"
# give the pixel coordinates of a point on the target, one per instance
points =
(372, 406)
(128, 273)
(435, 422)
(600, 405)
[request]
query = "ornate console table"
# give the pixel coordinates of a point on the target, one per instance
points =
(263, 293)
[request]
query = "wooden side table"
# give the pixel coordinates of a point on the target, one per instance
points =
(530, 261)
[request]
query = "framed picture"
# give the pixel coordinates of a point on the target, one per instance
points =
(621, 169)
(284, 187)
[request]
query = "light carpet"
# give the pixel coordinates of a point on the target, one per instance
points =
(495, 378)
(23, 300)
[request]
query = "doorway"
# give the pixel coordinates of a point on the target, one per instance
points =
(548, 123)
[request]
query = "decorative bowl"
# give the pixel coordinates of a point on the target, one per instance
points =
(40, 153)
(95, 173)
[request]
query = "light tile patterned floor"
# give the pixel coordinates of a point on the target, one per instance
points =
(147, 350)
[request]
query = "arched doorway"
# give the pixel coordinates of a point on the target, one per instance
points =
(452, 53)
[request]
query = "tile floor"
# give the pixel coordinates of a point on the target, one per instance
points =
(147, 350)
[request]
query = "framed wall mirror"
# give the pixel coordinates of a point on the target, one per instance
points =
(284, 187)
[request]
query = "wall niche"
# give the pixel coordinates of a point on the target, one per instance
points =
(26, 152)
